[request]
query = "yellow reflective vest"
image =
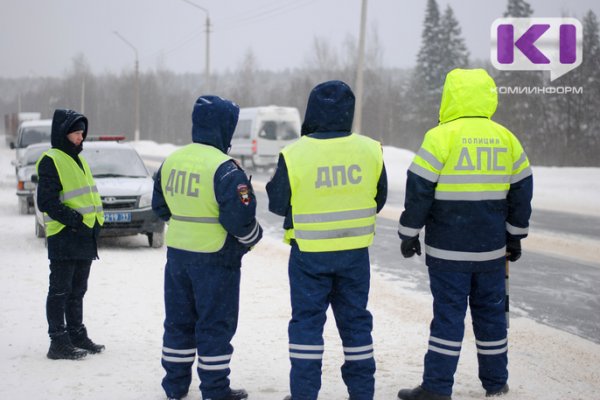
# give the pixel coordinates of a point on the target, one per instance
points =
(333, 187)
(187, 178)
(79, 191)
(470, 157)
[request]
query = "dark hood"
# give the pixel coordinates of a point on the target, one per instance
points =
(330, 108)
(61, 122)
(213, 121)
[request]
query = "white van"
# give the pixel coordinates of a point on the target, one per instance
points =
(262, 132)
(31, 132)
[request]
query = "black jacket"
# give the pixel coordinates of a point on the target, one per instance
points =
(76, 241)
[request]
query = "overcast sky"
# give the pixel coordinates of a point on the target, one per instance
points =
(41, 37)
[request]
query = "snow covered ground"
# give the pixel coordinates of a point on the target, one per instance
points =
(124, 311)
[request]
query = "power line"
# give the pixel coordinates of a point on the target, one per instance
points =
(267, 11)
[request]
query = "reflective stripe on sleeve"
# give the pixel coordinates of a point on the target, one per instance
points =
(430, 158)
(251, 237)
(513, 230)
(521, 175)
(423, 173)
(520, 161)
(406, 231)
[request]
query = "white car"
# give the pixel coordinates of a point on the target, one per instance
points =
(125, 187)
(31, 132)
(25, 168)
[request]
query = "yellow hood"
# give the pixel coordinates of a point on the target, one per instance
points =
(468, 93)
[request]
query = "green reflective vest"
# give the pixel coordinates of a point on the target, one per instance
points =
(78, 192)
(187, 178)
(333, 185)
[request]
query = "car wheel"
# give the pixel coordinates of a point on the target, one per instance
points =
(23, 206)
(39, 230)
(156, 239)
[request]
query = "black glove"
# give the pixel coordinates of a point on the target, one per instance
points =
(513, 250)
(410, 246)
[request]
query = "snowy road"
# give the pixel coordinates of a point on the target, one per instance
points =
(548, 289)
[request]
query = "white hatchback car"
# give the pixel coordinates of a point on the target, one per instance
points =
(125, 187)
(25, 168)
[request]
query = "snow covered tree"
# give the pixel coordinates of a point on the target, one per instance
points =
(518, 9)
(454, 53)
(442, 49)
(428, 70)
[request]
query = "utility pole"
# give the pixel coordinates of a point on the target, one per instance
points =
(136, 86)
(207, 31)
(82, 107)
(359, 69)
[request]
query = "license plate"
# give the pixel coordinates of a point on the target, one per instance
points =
(117, 217)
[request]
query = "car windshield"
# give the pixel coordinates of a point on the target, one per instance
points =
(278, 130)
(35, 134)
(107, 162)
(32, 154)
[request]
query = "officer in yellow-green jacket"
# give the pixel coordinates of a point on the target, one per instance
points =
(329, 186)
(211, 206)
(470, 185)
(69, 199)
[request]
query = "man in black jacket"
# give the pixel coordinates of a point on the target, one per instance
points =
(73, 216)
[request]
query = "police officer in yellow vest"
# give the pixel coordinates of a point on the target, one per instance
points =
(69, 199)
(470, 185)
(211, 207)
(329, 186)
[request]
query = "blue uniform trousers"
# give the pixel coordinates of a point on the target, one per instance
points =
(317, 280)
(485, 294)
(201, 315)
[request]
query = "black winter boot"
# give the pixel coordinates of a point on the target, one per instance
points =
(496, 393)
(419, 393)
(234, 394)
(82, 341)
(62, 349)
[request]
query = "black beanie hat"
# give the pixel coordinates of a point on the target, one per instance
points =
(78, 125)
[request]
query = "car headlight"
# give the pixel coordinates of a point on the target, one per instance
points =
(146, 200)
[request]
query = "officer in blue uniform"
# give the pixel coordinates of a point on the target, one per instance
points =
(329, 185)
(470, 185)
(211, 207)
